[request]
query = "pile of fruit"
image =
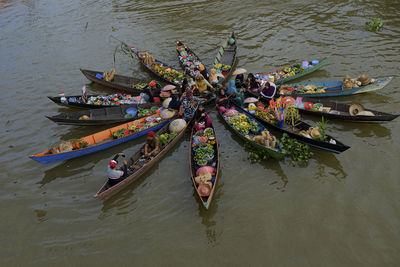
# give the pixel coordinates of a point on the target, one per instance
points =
(166, 138)
(265, 114)
(243, 124)
(168, 73)
(143, 112)
(301, 89)
(221, 67)
(291, 70)
(134, 128)
(110, 100)
(190, 62)
(140, 86)
(204, 153)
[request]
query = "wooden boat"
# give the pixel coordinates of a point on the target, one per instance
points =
(331, 88)
(334, 110)
(124, 83)
(194, 166)
(140, 164)
(332, 145)
(160, 69)
(104, 116)
(226, 57)
(99, 141)
(275, 153)
(187, 58)
(282, 76)
(77, 101)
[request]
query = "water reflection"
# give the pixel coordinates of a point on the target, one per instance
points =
(207, 216)
(328, 166)
(68, 168)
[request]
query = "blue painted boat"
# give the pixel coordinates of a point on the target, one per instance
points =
(100, 141)
(328, 89)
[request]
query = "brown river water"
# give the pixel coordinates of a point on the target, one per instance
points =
(340, 210)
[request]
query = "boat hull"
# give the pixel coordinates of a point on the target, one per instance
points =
(335, 88)
(85, 151)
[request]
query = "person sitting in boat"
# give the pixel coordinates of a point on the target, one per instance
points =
(152, 146)
(84, 94)
(188, 105)
(237, 95)
(202, 84)
(269, 89)
(239, 79)
(115, 176)
(251, 83)
(203, 72)
(201, 119)
(215, 80)
(175, 103)
(223, 101)
(154, 91)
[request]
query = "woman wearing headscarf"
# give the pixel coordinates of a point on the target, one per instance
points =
(251, 83)
(203, 72)
(269, 89)
(214, 79)
(202, 84)
(235, 94)
(188, 106)
(239, 79)
(175, 102)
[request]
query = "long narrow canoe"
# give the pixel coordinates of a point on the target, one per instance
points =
(161, 70)
(225, 60)
(99, 141)
(291, 72)
(188, 59)
(205, 200)
(77, 101)
(124, 83)
(333, 145)
(141, 165)
(103, 116)
(334, 110)
(275, 153)
(330, 88)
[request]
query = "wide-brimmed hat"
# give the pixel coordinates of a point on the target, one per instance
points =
(166, 102)
(204, 190)
(168, 87)
(315, 133)
(364, 79)
(354, 109)
(239, 71)
(251, 100)
(165, 94)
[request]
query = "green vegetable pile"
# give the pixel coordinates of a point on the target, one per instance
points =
(119, 133)
(299, 153)
(166, 138)
(143, 112)
(203, 153)
(140, 86)
(374, 25)
(243, 124)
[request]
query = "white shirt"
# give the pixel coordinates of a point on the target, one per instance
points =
(114, 174)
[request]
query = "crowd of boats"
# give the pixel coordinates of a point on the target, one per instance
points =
(251, 112)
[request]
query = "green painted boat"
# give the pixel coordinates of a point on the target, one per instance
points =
(275, 153)
(291, 72)
(226, 58)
